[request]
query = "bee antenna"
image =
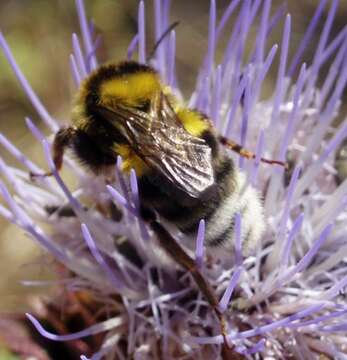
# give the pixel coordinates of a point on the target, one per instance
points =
(162, 37)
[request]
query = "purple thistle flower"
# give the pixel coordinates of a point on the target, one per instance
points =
(286, 296)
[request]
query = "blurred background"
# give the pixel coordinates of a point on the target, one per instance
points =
(39, 34)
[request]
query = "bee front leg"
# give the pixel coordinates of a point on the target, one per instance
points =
(61, 140)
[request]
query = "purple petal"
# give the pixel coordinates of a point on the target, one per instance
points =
(292, 186)
(81, 65)
(258, 347)
(279, 91)
(226, 16)
(279, 323)
(261, 38)
(141, 32)
(24, 221)
(73, 202)
(262, 74)
(307, 258)
(159, 29)
(132, 46)
(245, 116)
(321, 46)
(119, 199)
(211, 38)
(134, 189)
(95, 329)
(294, 117)
(118, 283)
(171, 60)
(86, 35)
(319, 319)
(335, 44)
(307, 38)
(199, 248)
(335, 328)
(288, 244)
(334, 71)
(235, 103)
(18, 154)
(224, 302)
(74, 70)
(260, 330)
(136, 200)
(216, 99)
(335, 290)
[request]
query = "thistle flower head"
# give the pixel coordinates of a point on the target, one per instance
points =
(284, 300)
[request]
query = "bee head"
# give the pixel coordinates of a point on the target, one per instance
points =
(128, 86)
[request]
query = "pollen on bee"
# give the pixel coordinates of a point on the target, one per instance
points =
(130, 160)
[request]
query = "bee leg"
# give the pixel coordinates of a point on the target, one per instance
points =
(61, 140)
(232, 145)
(173, 249)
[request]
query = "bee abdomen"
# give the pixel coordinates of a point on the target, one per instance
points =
(232, 196)
(179, 208)
(244, 200)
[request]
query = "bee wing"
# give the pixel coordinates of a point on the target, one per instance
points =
(159, 138)
(182, 158)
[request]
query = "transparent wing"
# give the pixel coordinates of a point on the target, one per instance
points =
(159, 138)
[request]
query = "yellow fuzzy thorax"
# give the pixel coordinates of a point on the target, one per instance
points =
(192, 121)
(135, 89)
(130, 90)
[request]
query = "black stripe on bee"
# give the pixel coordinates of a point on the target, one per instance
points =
(223, 237)
(89, 152)
(211, 141)
(180, 209)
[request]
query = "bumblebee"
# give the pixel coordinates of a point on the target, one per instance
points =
(184, 172)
